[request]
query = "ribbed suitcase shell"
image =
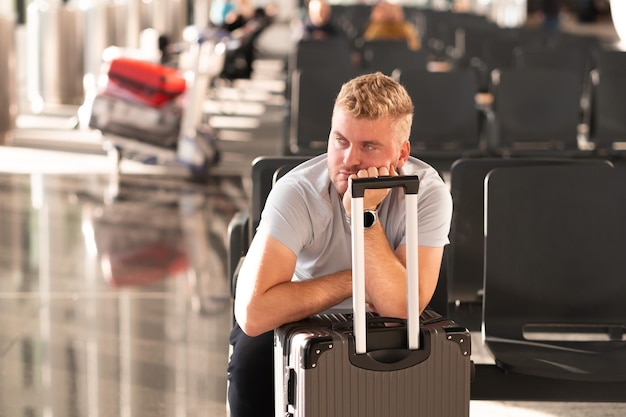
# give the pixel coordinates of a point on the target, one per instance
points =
(319, 379)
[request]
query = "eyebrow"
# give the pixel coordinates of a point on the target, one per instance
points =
(365, 142)
(374, 142)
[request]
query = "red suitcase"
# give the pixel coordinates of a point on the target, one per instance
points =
(146, 82)
(143, 265)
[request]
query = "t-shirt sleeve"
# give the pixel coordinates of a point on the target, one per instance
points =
(434, 216)
(286, 216)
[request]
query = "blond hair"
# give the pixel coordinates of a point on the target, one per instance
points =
(377, 96)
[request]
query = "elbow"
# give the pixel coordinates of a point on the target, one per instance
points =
(401, 312)
(250, 329)
(246, 321)
(397, 310)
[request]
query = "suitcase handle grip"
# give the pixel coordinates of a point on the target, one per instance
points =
(410, 183)
(389, 353)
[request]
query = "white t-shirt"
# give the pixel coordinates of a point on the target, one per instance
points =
(305, 213)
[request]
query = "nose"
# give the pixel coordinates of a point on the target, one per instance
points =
(351, 157)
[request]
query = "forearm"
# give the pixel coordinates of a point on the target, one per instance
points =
(385, 275)
(291, 301)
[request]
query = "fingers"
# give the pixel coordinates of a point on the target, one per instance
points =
(373, 197)
(383, 172)
(373, 172)
(394, 171)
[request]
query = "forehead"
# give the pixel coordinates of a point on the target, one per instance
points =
(361, 128)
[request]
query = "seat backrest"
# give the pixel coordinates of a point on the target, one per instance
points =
(554, 264)
(446, 115)
(472, 36)
(321, 53)
(313, 54)
(465, 258)
(567, 57)
(606, 91)
(438, 31)
(536, 110)
(609, 101)
(385, 55)
(351, 18)
(313, 94)
(263, 176)
(611, 62)
(499, 52)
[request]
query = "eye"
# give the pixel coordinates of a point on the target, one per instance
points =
(341, 141)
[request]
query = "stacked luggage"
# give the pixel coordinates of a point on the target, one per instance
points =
(151, 109)
(141, 100)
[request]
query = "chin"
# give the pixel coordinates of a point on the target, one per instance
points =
(341, 186)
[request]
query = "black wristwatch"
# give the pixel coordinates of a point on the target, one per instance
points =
(370, 218)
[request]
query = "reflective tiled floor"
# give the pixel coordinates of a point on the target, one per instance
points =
(114, 296)
(115, 309)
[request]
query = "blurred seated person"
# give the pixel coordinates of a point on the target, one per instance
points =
(387, 22)
(228, 15)
(241, 48)
(317, 22)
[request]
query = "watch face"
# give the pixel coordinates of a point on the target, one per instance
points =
(368, 219)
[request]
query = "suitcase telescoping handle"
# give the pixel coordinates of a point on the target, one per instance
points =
(410, 183)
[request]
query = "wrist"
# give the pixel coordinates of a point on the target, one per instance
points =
(370, 218)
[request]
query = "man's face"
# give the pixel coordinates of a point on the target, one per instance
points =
(356, 144)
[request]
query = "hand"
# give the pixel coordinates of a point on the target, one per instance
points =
(372, 197)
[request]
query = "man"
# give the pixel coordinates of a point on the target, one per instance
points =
(299, 261)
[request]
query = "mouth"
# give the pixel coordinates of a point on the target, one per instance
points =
(341, 181)
(345, 174)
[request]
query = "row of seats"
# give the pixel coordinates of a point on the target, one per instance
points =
(383, 55)
(536, 245)
(438, 29)
(350, 51)
(487, 47)
(527, 112)
(461, 40)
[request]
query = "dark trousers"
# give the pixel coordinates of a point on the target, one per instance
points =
(251, 374)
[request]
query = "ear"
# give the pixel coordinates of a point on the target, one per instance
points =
(405, 152)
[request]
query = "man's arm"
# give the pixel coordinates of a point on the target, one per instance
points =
(266, 296)
(385, 275)
(385, 269)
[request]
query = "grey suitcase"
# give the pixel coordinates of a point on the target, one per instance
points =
(358, 365)
(147, 124)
